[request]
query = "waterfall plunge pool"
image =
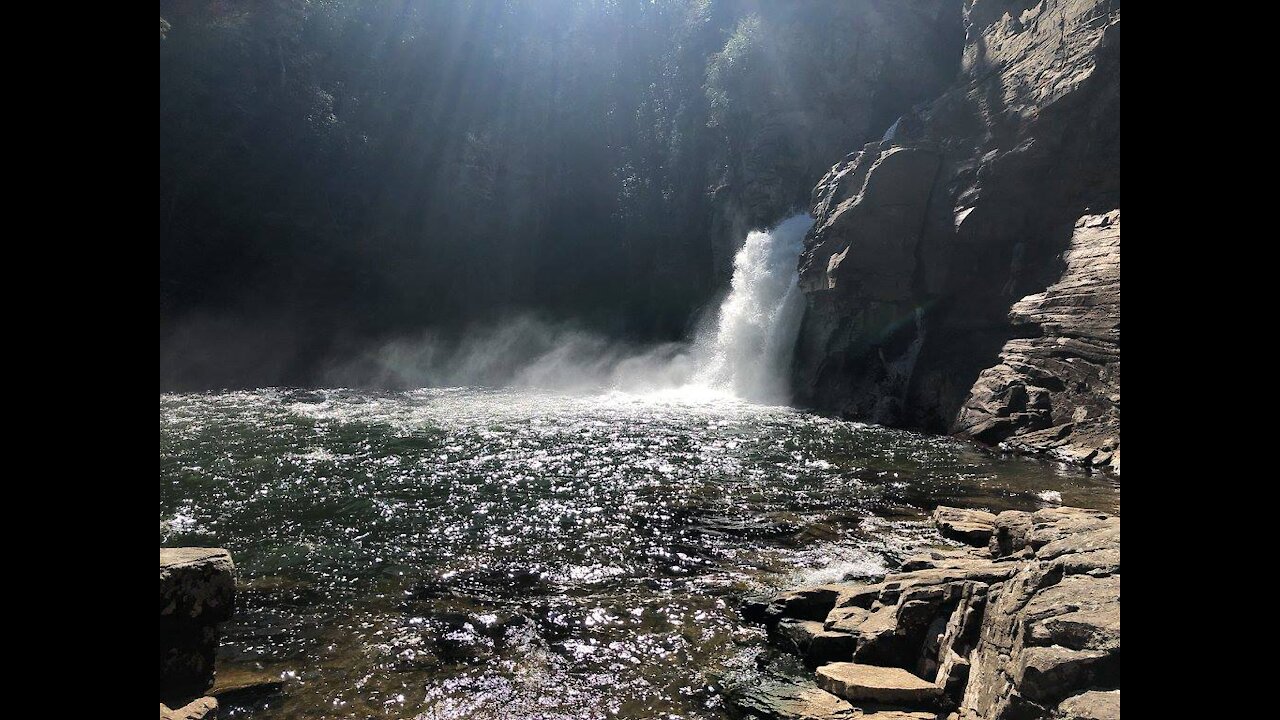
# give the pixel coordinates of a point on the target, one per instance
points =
(469, 553)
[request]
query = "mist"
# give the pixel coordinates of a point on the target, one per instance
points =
(525, 351)
(742, 348)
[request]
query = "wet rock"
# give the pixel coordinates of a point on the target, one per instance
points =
(205, 708)
(972, 527)
(497, 624)
(806, 603)
(858, 682)
(1091, 705)
(197, 592)
(809, 640)
(782, 698)
(240, 685)
(753, 608)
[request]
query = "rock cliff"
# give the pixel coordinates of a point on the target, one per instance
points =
(1027, 627)
(962, 274)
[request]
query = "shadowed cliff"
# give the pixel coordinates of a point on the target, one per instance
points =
(334, 176)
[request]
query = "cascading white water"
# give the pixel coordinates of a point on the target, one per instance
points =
(749, 353)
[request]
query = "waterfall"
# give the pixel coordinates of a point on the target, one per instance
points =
(745, 353)
(748, 351)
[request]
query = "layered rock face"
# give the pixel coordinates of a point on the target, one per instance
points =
(197, 591)
(1058, 392)
(962, 274)
(1026, 627)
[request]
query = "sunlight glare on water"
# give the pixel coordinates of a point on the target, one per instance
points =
(459, 552)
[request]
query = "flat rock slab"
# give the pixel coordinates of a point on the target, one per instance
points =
(856, 681)
(1091, 705)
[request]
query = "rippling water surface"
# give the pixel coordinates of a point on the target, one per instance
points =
(466, 553)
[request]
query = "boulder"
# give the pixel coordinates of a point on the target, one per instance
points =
(1011, 535)
(972, 527)
(197, 591)
(235, 685)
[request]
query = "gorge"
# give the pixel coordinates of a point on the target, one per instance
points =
(591, 359)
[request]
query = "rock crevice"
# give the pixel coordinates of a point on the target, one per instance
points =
(1024, 624)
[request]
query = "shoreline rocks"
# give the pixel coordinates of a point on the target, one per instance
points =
(1023, 624)
(197, 592)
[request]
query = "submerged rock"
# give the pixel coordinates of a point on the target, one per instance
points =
(238, 685)
(780, 698)
(478, 585)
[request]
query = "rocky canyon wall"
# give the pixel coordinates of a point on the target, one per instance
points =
(796, 83)
(962, 274)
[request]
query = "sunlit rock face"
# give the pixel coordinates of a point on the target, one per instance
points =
(1059, 392)
(946, 263)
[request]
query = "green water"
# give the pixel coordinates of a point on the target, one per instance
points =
(467, 553)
